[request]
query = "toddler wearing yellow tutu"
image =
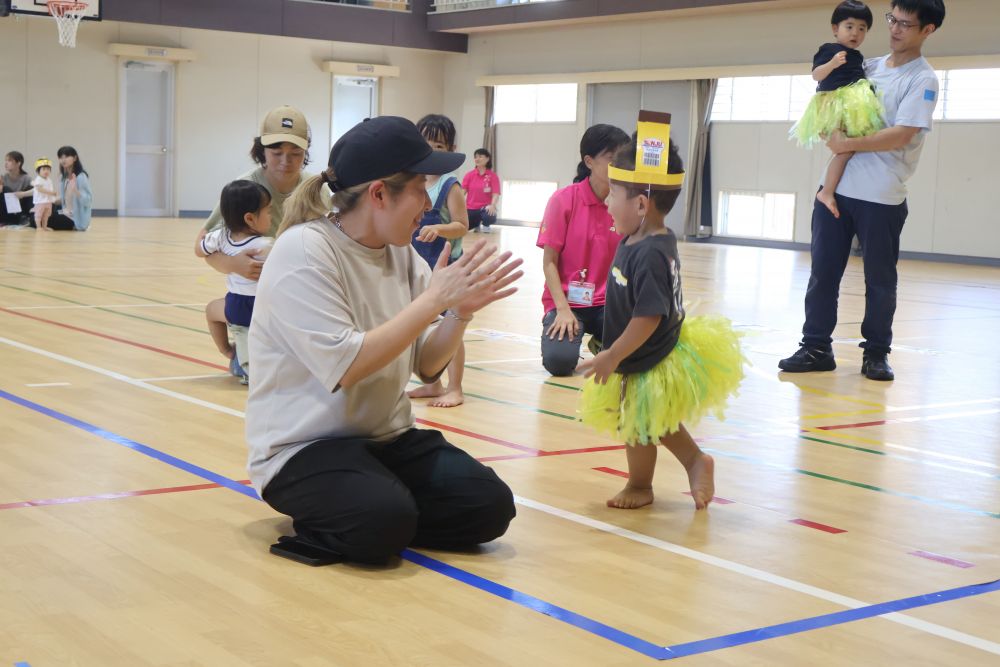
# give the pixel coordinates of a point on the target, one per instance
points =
(845, 101)
(657, 369)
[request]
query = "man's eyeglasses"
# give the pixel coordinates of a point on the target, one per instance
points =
(904, 25)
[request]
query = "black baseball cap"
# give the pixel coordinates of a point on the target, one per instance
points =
(380, 147)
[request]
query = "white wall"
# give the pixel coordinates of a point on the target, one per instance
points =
(54, 96)
(953, 197)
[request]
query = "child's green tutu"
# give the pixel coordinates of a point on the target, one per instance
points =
(696, 378)
(854, 109)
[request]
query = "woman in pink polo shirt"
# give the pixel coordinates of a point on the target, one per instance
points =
(579, 244)
(482, 186)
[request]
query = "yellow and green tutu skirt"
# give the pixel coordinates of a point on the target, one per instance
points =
(854, 109)
(695, 379)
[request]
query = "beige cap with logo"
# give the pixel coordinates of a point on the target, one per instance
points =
(285, 124)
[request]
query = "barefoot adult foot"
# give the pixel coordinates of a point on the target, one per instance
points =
(827, 199)
(449, 399)
(427, 391)
(630, 498)
(701, 477)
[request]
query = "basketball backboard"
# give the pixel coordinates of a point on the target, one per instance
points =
(39, 8)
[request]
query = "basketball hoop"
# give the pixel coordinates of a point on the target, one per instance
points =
(67, 14)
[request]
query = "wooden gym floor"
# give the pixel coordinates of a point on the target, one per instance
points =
(857, 522)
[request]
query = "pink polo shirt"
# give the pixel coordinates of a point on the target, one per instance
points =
(480, 188)
(578, 225)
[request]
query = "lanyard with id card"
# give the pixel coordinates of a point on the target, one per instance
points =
(581, 292)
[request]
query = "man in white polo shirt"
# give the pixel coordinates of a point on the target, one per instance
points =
(872, 198)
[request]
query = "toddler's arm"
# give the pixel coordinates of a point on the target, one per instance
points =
(199, 251)
(459, 225)
(823, 71)
(637, 332)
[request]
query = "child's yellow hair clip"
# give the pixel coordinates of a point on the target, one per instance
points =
(652, 153)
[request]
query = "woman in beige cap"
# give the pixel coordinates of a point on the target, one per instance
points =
(281, 151)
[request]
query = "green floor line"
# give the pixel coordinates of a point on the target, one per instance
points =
(890, 455)
(562, 386)
(521, 406)
(107, 310)
(103, 289)
(870, 487)
(493, 371)
(854, 447)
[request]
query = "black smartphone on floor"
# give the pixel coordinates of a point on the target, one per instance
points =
(305, 552)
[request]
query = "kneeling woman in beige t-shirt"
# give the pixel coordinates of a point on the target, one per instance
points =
(346, 310)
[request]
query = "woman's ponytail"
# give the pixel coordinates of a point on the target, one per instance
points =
(306, 203)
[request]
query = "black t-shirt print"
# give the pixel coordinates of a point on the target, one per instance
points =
(851, 71)
(645, 281)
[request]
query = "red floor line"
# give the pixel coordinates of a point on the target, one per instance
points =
(942, 559)
(881, 422)
(540, 454)
(715, 499)
(582, 450)
(622, 473)
(485, 438)
(505, 457)
(818, 526)
(116, 339)
(209, 364)
(612, 471)
(109, 496)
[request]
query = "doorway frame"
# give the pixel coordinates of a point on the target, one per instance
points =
(170, 148)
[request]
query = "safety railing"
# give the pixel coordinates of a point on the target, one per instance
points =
(461, 5)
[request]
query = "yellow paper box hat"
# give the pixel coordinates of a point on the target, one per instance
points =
(652, 153)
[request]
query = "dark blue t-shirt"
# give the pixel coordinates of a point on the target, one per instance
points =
(645, 281)
(851, 71)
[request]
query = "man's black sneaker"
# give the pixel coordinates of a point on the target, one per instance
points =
(808, 359)
(876, 367)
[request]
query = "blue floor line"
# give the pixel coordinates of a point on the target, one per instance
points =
(204, 473)
(523, 599)
(597, 628)
(541, 606)
(826, 620)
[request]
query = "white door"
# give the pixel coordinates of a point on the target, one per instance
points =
(146, 119)
(354, 99)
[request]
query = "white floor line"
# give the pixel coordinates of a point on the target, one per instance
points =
(761, 575)
(888, 408)
(953, 404)
(108, 305)
(48, 384)
(738, 568)
(185, 377)
(121, 377)
(950, 457)
(795, 432)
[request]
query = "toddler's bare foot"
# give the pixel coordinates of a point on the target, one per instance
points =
(427, 391)
(449, 399)
(701, 477)
(630, 498)
(827, 199)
